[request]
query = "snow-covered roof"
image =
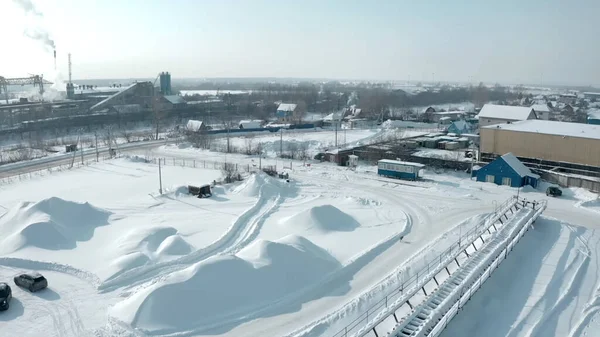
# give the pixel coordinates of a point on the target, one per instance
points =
(333, 116)
(594, 114)
(516, 113)
(397, 162)
(175, 99)
(251, 124)
(563, 129)
(540, 108)
(516, 165)
(461, 125)
(194, 125)
(290, 107)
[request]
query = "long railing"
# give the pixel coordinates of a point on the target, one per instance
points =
(408, 287)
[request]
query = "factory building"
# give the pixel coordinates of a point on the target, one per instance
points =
(556, 142)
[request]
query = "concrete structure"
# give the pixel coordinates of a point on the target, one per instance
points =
(542, 111)
(492, 114)
(172, 102)
(547, 140)
(399, 169)
(506, 170)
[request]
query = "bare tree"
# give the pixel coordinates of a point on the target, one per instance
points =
(127, 135)
(249, 145)
(303, 151)
(230, 172)
(292, 149)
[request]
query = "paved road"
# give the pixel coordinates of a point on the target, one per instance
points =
(25, 167)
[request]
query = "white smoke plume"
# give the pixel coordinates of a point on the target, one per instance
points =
(41, 35)
(28, 7)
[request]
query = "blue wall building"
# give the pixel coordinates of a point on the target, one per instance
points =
(459, 127)
(507, 170)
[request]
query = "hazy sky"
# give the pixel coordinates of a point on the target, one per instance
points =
(506, 41)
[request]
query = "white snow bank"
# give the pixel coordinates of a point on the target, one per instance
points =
(225, 286)
(592, 205)
(174, 245)
(51, 223)
(142, 246)
(325, 218)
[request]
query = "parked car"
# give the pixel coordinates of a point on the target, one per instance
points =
(5, 296)
(553, 191)
(32, 281)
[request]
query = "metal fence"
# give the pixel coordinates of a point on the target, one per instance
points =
(207, 164)
(424, 274)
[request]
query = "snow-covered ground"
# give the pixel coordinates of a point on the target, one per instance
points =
(262, 257)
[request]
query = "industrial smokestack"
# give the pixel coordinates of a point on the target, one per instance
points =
(54, 59)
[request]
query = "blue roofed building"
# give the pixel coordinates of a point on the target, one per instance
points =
(594, 117)
(507, 170)
(459, 127)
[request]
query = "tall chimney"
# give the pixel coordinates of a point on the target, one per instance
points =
(54, 59)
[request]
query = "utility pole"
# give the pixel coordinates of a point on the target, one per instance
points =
(159, 178)
(81, 150)
(281, 142)
(97, 153)
(336, 127)
(228, 127)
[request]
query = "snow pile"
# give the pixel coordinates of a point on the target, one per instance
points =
(258, 182)
(222, 287)
(51, 223)
(147, 245)
(592, 205)
(136, 159)
(325, 218)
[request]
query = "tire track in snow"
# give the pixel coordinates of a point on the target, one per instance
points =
(20, 263)
(593, 306)
(312, 291)
(553, 297)
(243, 230)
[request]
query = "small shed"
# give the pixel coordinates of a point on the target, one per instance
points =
(399, 169)
(352, 160)
(507, 170)
(195, 126)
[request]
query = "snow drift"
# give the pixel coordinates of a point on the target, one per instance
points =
(143, 246)
(226, 286)
(51, 223)
(325, 218)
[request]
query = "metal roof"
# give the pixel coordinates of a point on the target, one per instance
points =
(517, 166)
(397, 162)
(516, 113)
(175, 99)
(290, 107)
(562, 129)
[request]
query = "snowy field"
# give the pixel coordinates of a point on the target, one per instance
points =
(264, 257)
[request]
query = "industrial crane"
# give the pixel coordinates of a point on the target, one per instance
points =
(35, 80)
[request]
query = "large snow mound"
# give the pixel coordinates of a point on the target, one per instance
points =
(174, 245)
(51, 223)
(324, 218)
(223, 287)
(261, 184)
(143, 246)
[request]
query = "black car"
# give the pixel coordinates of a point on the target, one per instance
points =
(553, 191)
(5, 295)
(32, 281)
